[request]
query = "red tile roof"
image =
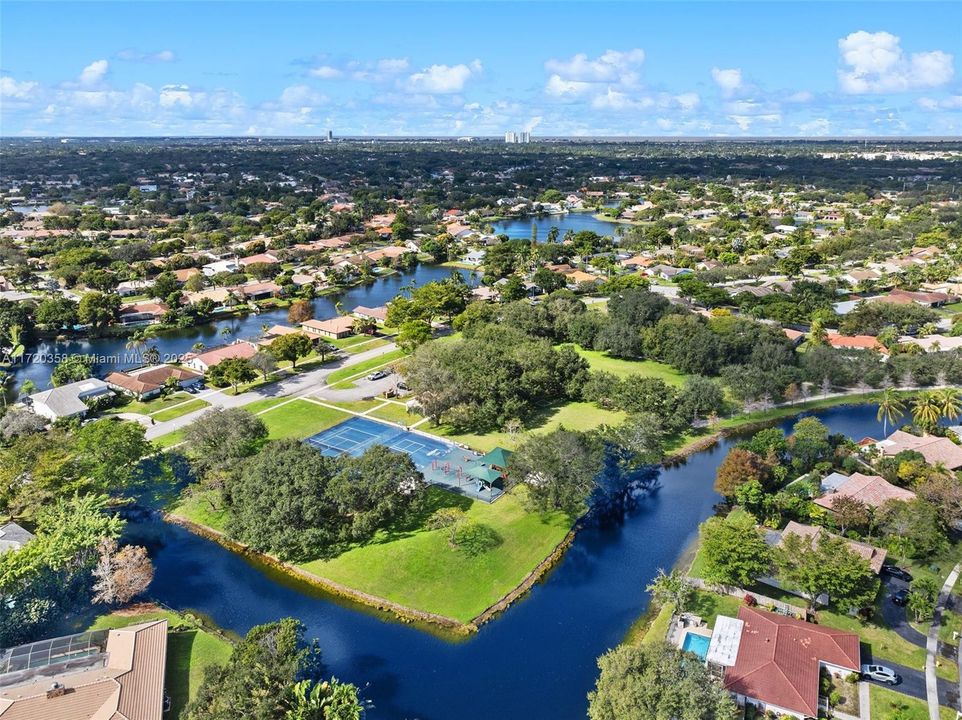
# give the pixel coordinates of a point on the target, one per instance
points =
(778, 659)
(872, 490)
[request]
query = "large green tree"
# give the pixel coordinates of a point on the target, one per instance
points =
(826, 565)
(735, 553)
(656, 681)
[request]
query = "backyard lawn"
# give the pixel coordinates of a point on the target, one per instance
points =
(420, 569)
(622, 368)
(189, 652)
(300, 419)
(572, 415)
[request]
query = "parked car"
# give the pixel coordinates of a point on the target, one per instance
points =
(193, 389)
(901, 597)
(402, 386)
(897, 572)
(881, 674)
(377, 375)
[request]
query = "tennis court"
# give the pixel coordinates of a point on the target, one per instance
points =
(442, 463)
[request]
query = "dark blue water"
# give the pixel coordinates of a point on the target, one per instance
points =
(535, 661)
(576, 221)
(176, 342)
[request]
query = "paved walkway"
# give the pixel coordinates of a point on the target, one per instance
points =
(932, 644)
(289, 386)
(864, 701)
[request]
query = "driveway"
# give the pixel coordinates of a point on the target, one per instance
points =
(289, 386)
(913, 683)
(896, 617)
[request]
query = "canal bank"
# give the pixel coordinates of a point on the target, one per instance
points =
(538, 660)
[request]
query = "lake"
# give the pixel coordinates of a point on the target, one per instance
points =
(535, 661)
(575, 221)
(177, 342)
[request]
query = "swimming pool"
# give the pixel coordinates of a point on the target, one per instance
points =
(440, 461)
(697, 644)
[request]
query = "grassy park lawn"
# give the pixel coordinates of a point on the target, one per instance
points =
(300, 419)
(622, 368)
(179, 410)
(266, 404)
(358, 406)
(888, 704)
(203, 507)
(340, 378)
(420, 569)
(572, 415)
(393, 412)
(169, 440)
(189, 651)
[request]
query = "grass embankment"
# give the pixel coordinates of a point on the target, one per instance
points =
(886, 704)
(341, 379)
(572, 415)
(418, 568)
(190, 650)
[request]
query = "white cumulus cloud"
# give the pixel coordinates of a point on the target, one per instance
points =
(729, 80)
(443, 79)
(93, 73)
(611, 66)
(876, 63)
(14, 90)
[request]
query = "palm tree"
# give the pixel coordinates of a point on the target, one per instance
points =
(950, 402)
(926, 410)
(890, 409)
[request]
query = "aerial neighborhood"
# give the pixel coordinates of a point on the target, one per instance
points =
(681, 421)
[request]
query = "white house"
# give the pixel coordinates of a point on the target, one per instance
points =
(68, 401)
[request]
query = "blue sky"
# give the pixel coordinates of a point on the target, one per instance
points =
(461, 68)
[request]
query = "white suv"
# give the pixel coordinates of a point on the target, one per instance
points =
(881, 674)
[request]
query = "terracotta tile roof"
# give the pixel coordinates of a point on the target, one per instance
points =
(339, 324)
(778, 659)
(872, 490)
(855, 342)
(934, 449)
(873, 555)
(128, 686)
(259, 258)
(212, 357)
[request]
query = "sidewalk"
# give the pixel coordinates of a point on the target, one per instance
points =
(932, 644)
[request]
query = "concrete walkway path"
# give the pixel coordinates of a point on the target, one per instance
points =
(864, 701)
(932, 643)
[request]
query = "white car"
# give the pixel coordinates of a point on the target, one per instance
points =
(881, 674)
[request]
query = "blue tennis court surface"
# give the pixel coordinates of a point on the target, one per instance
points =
(442, 462)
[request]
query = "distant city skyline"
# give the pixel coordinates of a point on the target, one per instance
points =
(814, 69)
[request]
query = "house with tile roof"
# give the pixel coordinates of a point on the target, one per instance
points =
(202, 362)
(148, 382)
(936, 450)
(875, 557)
(871, 490)
(336, 327)
(100, 675)
(775, 662)
(68, 400)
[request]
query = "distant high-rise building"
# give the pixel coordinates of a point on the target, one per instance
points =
(330, 136)
(523, 137)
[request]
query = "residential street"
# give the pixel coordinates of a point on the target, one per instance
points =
(311, 382)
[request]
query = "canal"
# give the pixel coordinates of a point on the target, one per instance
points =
(536, 661)
(42, 357)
